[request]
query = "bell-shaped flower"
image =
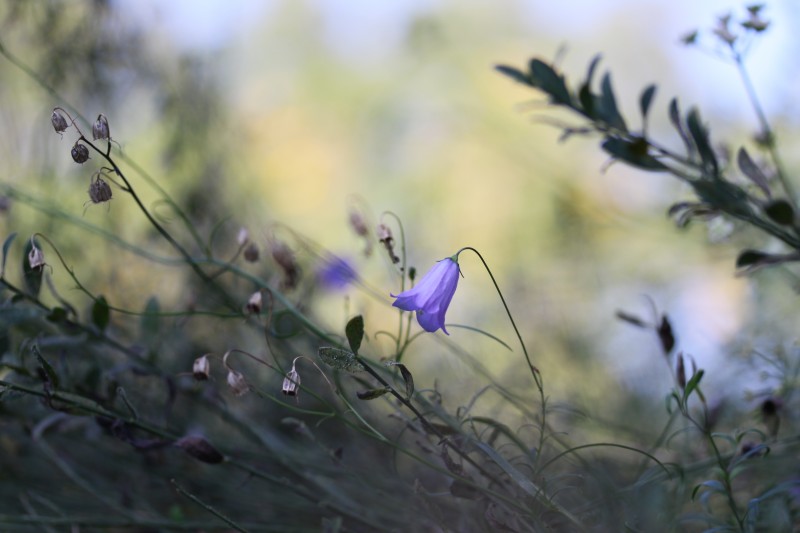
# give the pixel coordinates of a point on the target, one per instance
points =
(432, 295)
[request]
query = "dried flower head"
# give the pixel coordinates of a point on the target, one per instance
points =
(254, 303)
(291, 383)
(237, 382)
(59, 122)
(80, 154)
(36, 257)
(251, 253)
(201, 368)
(385, 236)
(99, 191)
(100, 128)
(755, 22)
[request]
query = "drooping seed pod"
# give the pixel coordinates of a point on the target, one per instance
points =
(291, 383)
(237, 382)
(201, 368)
(254, 303)
(80, 154)
(36, 257)
(99, 191)
(59, 122)
(100, 128)
(200, 449)
(251, 253)
(385, 236)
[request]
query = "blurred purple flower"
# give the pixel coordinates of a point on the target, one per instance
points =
(336, 273)
(432, 295)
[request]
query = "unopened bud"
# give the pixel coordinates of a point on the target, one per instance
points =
(200, 449)
(242, 237)
(80, 154)
(291, 383)
(680, 372)
(237, 382)
(251, 253)
(99, 191)
(59, 122)
(35, 257)
(201, 368)
(100, 128)
(254, 303)
(723, 32)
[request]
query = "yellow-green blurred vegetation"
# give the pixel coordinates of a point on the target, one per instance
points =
(298, 117)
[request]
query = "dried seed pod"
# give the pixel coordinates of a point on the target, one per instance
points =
(237, 382)
(385, 236)
(200, 449)
(254, 303)
(59, 122)
(99, 191)
(251, 253)
(358, 224)
(100, 128)
(80, 154)
(285, 258)
(291, 383)
(35, 257)
(201, 368)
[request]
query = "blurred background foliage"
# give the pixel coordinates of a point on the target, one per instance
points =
(307, 109)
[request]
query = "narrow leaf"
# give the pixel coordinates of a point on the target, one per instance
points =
(693, 383)
(780, 211)
(101, 313)
(6, 246)
(355, 332)
(608, 110)
(752, 171)
(634, 153)
(631, 319)
(646, 100)
(47, 368)
(675, 118)
(750, 257)
(407, 377)
(547, 79)
(340, 359)
(515, 74)
(371, 394)
(701, 140)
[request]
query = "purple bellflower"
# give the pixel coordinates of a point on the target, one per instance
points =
(432, 295)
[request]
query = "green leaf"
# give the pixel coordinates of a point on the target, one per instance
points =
(150, 324)
(32, 277)
(607, 105)
(515, 74)
(371, 394)
(646, 100)
(675, 118)
(46, 367)
(693, 383)
(634, 153)
(355, 332)
(750, 257)
(340, 359)
(101, 314)
(58, 315)
(547, 79)
(752, 171)
(407, 377)
(585, 96)
(780, 211)
(6, 246)
(701, 140)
